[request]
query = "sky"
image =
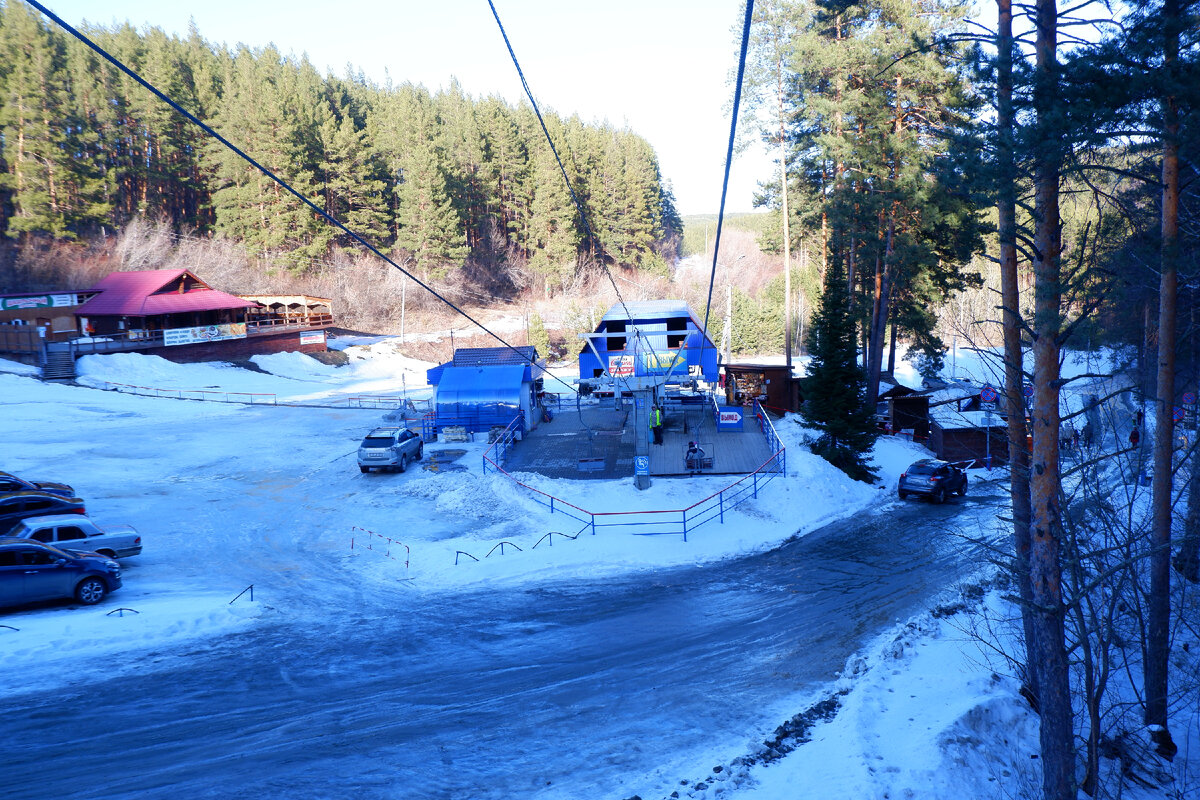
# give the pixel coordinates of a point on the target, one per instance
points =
(663, 68)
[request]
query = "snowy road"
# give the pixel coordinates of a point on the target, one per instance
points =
(578, 689)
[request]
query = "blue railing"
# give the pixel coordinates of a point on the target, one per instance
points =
(497, 454)
(658, 522)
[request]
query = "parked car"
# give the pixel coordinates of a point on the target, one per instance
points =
(17, 506)
(389, 448)
(934, 478)
(31, 571)
(11, 483)
(75, 532)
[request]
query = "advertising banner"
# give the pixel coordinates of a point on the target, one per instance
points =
(730, 418)
(39, 301)
(204, 333)
(660, 363)
(620, 366)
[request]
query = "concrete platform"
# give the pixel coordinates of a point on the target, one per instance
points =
(596, 442)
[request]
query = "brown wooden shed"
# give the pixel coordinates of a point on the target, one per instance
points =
(772, 384)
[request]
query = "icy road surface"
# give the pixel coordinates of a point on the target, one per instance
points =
(564, 691)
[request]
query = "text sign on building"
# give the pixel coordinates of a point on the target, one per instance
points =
(656, 363)
(620, 366)
(730, 418)
(641, 465)
(312, 337)
(38, 301)
(204, 333)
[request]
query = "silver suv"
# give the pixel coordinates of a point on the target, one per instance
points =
(389, 448)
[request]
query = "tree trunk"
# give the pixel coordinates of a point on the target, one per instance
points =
(1014, 379)
(1045, 556)
(1158, 637)
(892, 352)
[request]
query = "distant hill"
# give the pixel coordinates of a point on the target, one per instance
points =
(697, 226)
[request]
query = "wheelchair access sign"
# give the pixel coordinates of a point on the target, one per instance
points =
(641, 465)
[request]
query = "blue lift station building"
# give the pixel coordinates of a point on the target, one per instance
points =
(660, 341)
(483, 387)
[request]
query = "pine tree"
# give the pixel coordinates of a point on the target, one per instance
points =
(835, 388)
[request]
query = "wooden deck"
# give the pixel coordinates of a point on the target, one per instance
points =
(597, 442)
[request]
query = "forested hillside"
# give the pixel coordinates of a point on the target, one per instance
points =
(446, 182)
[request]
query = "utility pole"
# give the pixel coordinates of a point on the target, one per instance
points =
(727, 336)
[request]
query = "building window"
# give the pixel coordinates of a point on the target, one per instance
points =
(676, 340)
(615, 343)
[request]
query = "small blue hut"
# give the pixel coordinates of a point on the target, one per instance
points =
(487, 386)
(653, 338)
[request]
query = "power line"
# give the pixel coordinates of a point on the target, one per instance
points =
(286, 186)
(578, 205)
(737, 100)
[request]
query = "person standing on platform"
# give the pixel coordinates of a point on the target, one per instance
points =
(656, 424)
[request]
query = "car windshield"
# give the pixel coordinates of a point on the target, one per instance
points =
(377, 441)
(922, 469)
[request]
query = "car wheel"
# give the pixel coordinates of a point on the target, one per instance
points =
(90, 591)
(902, 494)
(962, 490)
(938, 496)
(107, 553)
(403, 461)
(364, 470)
(420, 452)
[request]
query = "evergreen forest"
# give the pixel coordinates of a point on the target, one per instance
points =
(449, 184)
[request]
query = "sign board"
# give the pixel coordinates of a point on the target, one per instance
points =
(38, 301)
(204, 333)
(988, 408)
(641, 465)
(312, 337)
(730, 418)
(987, 394)
(656, 363)
(1177, 414)
(620, 366)
(1028, 390)
(1189, 398)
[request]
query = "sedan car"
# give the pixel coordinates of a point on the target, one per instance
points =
(933, 478)
(32, 571)
(17, 506)
(11, 483)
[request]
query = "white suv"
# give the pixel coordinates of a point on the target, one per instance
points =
(389, 448)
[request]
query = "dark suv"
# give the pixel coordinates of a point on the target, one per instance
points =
(17, 506)
(933, 478)
(32, 571)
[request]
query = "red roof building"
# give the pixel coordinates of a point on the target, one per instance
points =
(157, 299)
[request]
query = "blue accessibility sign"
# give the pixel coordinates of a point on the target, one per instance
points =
(641, 465)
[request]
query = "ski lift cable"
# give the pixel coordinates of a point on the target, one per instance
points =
(574, 198)
(737, 99)
(286, 186)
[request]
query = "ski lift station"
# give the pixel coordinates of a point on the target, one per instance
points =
(642, 356)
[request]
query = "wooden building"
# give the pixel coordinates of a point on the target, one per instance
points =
(772, 384)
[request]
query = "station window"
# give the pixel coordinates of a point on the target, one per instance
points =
(676, 340)
(616, 343)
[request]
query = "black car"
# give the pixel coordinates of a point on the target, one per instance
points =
(933, 478)
(32, 571)
(11, 483)
(17, 506)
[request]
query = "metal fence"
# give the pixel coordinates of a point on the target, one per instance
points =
(678, 522)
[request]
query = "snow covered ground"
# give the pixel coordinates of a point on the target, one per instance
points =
(921, 713)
